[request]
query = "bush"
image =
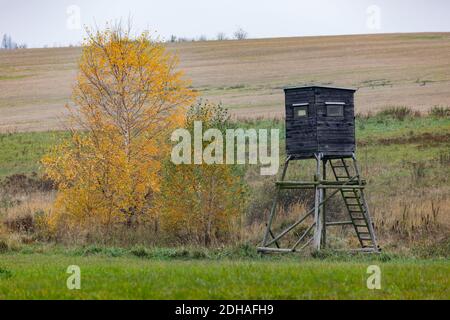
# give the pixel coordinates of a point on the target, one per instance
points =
(20, 223)
(5, 273)
(202, 204)
(439, 112)
(11, 242)
(433, 249)
(21, 183)
(398, 113)
(140, 252)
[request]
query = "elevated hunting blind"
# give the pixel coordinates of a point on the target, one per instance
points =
(320, 125)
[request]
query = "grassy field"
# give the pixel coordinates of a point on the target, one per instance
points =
(405, 163)
(43, 276)
(21, 152)
(248, 76)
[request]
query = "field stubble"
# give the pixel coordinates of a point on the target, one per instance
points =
(248, 76)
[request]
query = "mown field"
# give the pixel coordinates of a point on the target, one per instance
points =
(114, 274)
(248, 76)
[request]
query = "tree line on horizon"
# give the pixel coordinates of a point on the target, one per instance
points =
(9, 44)
(239, 34)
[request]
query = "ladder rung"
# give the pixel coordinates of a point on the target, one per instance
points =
(365, 238)
(361, 225)
(349, 204)
(351, 197)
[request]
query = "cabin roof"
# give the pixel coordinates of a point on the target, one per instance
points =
(326, 87)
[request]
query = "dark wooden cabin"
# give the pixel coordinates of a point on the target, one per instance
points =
(319, 120)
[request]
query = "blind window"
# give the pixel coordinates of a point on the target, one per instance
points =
(335, 110)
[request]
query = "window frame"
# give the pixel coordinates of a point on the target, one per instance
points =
(300, 106)
(330, 105)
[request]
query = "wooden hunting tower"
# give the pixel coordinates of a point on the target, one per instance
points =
(320, 125)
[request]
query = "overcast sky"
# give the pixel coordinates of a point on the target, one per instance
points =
(60, 22)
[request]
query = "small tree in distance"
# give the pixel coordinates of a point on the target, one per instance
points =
(221, 36)
(9, 44)
(240, 34)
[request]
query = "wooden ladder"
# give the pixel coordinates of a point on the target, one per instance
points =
(355, 203)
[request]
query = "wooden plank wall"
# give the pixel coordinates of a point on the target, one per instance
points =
(319, 133)
(335, 134)
(301, 136)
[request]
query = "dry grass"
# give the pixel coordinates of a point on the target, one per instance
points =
(21, 216)
(401, 223)
(413, 218)
(247, 76)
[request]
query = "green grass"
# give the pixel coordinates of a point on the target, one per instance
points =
(388, 146)
(42, 276)
(376, 128)
(21, 152)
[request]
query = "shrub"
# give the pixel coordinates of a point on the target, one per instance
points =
(21, 183)
(140, 252)
(202, 203)
(5, 273)
(439, 112)
(398, 113)
(20, 223)
(10, 242)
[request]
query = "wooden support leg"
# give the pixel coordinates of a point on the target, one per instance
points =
(274, 206)
(317, 202)
(324, 211)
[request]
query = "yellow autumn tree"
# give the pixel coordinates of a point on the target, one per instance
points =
(202, 203)
(128, 98)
